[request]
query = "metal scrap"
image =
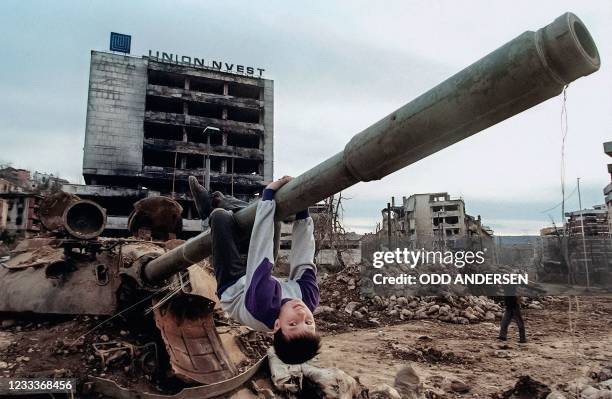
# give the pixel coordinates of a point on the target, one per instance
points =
(52, 207)
(113, 352)
(110, 388)
(192, 341)
(41, 256)
(156, 218)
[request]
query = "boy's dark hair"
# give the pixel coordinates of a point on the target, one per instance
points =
(298, 349)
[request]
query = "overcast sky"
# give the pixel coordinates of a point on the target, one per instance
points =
(337, 67)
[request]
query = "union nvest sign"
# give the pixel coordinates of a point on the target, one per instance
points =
(207, 64)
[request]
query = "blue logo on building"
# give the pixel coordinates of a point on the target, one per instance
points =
(120, 42)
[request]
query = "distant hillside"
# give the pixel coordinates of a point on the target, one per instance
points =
(516, 240)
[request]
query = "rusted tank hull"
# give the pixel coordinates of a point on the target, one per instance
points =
(526, 71)
(61, 287)
(66, 276)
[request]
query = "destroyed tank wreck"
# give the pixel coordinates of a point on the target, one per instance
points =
(74, 271)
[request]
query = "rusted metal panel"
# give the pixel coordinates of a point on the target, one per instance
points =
(111, 389)
(193, 344)
(34, 243)
(41, 256)
(159, 216)
(52, 207)
(62, 287)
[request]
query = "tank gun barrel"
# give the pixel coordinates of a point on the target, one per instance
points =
(526, 71)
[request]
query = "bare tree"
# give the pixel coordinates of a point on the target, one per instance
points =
(329, 229)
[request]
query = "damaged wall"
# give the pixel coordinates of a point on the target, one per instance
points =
(115, 116)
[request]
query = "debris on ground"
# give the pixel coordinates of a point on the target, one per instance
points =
(130, 354)
(598, 385)
(342, 309)
(408, 384)
(131, 351)
(526, 388)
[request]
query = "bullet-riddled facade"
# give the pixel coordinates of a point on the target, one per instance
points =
(146, 120)
(434, 220)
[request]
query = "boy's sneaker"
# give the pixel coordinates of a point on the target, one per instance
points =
(218, 200)
(200, 197)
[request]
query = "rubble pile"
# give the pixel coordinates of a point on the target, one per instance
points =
(343, 307)
(526, 388)
(598, 385)
(62, 347)
(126, 352)
(423, 353)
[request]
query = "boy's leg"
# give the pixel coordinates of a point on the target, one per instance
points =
(228, 251)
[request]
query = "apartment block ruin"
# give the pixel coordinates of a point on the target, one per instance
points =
(582, 245)
(591, 222)
(152, 123)
(580, 250)
(19, 199)
(608, 189)
(433, 220)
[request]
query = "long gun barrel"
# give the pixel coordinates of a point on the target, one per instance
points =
(524, 72)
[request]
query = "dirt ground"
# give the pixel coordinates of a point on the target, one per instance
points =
(439, 352)
(472, 354)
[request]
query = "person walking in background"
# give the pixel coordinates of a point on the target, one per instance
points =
(512, 311)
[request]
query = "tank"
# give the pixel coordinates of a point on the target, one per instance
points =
(66, 269)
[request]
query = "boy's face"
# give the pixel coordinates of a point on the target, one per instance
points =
(295, 319)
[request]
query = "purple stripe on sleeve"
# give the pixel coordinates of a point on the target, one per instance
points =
(310, 289)
(263, 296)
(268, 194)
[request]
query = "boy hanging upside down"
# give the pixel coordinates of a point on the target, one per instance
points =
(247, 290)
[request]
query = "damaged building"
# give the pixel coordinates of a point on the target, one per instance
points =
(607, 191)
(433, 220)
(19, 199)
(18, 212)
(151, 124)
(591, 222)
(580, 251)
(582, 245)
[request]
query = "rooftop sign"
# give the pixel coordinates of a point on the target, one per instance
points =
(120, 42)
(202, 63)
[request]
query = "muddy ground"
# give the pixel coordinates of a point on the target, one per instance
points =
(442, 352)
(439, 352)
